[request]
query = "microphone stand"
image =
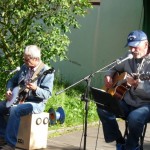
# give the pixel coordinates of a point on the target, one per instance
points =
(85, 96)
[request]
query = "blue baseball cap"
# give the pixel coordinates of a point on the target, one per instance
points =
(135, 37)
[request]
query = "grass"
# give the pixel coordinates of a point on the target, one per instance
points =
(72, 105)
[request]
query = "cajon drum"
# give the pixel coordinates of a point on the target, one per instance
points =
(33, 131)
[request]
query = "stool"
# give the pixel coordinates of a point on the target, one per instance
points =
(141, 142)
(33, 131)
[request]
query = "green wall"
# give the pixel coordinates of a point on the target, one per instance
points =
(101, 39)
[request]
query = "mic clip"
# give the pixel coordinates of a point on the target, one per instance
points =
(118, 61)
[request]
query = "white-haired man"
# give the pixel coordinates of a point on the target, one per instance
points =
(31, 100)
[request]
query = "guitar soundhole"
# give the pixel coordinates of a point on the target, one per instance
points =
(22, 96)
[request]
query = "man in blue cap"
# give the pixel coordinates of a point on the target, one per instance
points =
(136, 100)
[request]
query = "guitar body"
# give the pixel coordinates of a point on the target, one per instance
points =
(119, 91)
(14, 99)
(119, 87)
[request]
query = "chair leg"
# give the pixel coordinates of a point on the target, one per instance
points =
(126, 130)
(142, 137)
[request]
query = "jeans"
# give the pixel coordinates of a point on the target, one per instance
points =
(136, 117)
(9, 129)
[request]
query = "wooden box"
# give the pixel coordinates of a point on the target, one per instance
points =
(33, 131)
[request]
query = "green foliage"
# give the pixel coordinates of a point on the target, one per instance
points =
(41, 22)
(71, 102)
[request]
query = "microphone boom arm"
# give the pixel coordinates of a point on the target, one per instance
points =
(116, 62)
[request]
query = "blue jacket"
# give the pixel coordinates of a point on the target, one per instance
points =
(44, 83)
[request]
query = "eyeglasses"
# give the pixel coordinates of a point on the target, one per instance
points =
(26, 58)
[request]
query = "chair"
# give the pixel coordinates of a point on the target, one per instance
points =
(141, 141)
(33, 131)
(107, 102)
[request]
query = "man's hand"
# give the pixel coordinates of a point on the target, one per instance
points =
(8, 95)
(31, 86)
(108, 82)
(132, 81)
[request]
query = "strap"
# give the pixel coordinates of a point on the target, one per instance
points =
(140, 66)
(36, 73)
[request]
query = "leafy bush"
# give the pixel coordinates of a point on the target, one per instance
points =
(41, 22)
(71, 102)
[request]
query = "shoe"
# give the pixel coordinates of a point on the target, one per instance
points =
(7, 147)
(120, 146)
(137, 148)
(2, 142)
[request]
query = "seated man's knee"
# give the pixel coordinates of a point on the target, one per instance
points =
(134, 122)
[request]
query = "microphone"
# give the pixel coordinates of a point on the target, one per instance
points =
(13, 71)
(130, 56)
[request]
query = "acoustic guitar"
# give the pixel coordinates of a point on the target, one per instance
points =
(120, 85)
